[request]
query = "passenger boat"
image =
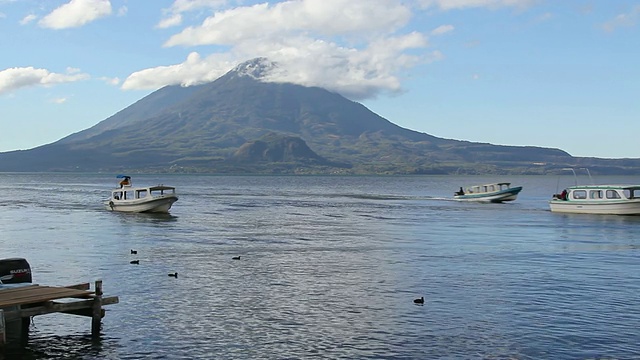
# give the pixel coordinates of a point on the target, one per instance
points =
(598, 199)
(495, 192)
(150, 199)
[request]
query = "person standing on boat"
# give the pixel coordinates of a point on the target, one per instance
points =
(460, 192)
(125, 182)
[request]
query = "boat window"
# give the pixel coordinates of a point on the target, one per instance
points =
(628, 193)
(579, 194)
(595, 194)
(141, 193)
(612, 194)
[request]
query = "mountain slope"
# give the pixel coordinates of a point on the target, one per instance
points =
(222, 126)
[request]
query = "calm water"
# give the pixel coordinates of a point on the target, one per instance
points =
(329, 268)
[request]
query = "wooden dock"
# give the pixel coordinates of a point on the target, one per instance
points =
(22, 302)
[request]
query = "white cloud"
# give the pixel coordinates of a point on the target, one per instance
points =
(59, 100)
(16, 78)
(462, 4)
(190, 5)
(173, 20)
(173, 15)
(629, 19)
(545, 17)
(443, 29)
(28, 19)
(319, 17)
(194, 70)
(434, 56)
(123, 10)
(71, 70)
(358, 48)
(357, 74)
(76, 13)
(353, 47)
(111, 81)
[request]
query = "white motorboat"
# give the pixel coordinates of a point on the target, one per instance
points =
(496, 193)
(598, 199)
(150, 199)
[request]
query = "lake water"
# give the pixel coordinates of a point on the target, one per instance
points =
(329, 268)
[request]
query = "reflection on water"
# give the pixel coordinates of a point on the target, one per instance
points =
(145, 218)
(48, 346)
(329, 268)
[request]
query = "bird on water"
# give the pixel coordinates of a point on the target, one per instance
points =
(134, 251)
(236, 258)
(419, 301)
(175, 274)
(134, 262)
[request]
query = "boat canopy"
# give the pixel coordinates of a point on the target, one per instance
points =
(488, 187)
(591, 192)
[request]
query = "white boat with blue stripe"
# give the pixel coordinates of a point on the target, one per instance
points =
(598, 199)
(494, 192)
(149, 199)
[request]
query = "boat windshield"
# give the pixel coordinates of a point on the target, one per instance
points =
(605, 193)
(579, 194)
(612, 194)
(141, 193)
(488, 188)
(632, 193)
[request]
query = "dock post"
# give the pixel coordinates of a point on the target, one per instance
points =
(96, 316)
(3, 338)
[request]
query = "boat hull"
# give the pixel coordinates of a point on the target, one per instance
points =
(159, 204)
(625, 207)
(509, 194)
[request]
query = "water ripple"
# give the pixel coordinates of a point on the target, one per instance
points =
(329, 268)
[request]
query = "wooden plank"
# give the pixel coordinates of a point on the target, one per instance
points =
(75, 307)
(81, 286)
(6, 291)
(36, 294)
(90, 311)
(84, 312)
(22, 302)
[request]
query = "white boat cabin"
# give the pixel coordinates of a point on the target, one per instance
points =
(130, 193)
(487, 188)
(599, 193)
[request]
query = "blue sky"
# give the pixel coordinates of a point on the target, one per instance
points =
(551, 73)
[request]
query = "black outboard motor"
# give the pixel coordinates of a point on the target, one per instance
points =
(14, 271)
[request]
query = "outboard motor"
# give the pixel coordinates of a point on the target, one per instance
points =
(14, 271)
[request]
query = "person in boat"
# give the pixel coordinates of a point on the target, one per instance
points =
(563, 195)
(460, 192)
(125, 182)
